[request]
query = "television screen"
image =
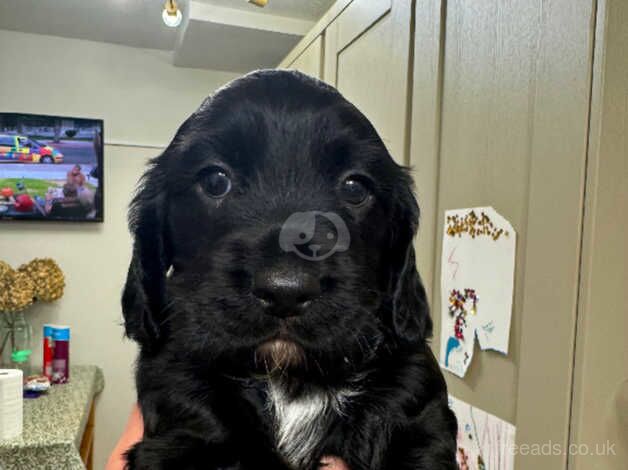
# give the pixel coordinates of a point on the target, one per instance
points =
(51, 168)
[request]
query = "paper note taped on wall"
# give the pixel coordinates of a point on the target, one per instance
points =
(484, 441)
(477, 279)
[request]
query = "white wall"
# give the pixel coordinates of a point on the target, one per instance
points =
(142, 99)
(138, 93)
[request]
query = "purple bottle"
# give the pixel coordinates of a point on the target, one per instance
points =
(61, 358)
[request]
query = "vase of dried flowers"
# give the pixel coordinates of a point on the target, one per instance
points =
(16, 335)
(39, 280)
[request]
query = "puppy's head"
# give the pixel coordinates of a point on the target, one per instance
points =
(287, 230)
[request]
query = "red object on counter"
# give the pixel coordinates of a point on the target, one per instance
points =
(48, 352)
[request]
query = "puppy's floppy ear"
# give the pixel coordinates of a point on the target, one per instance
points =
(144, 298)
(411, 320)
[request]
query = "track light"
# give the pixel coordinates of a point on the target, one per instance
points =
(171, 15)
(259, 3)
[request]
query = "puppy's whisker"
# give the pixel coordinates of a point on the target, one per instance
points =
(169, 311)
(206, 339)
(364, 349)
(318, 366)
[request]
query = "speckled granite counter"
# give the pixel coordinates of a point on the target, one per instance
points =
(54, 425)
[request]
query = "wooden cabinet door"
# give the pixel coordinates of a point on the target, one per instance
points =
(599, 427)
(367, 52)
(501, 93)
(310, 61)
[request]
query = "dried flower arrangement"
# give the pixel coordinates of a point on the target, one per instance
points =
(39, 280)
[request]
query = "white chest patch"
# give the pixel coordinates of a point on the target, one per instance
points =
(302, 422)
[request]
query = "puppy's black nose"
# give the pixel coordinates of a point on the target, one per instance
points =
(285, 293)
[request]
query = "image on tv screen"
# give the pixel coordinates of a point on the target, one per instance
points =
(50, 168)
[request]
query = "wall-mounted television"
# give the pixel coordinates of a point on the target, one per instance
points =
(51, 168)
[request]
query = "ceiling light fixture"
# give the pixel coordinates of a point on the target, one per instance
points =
(259, 3)
(171, 15)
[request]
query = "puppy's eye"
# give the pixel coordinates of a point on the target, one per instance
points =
(215, 182)
(354, 191)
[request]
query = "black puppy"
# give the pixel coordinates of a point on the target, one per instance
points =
(274, 294)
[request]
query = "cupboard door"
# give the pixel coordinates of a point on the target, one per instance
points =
(599, 428)
(310, 61)
(367, 53)
(500, 115)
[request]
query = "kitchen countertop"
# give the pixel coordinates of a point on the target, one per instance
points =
(54, 424)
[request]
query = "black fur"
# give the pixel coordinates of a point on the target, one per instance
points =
(287, 141)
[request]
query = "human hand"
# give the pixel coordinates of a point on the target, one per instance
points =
(333, 463)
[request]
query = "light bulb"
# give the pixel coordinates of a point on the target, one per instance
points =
(171, 15)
